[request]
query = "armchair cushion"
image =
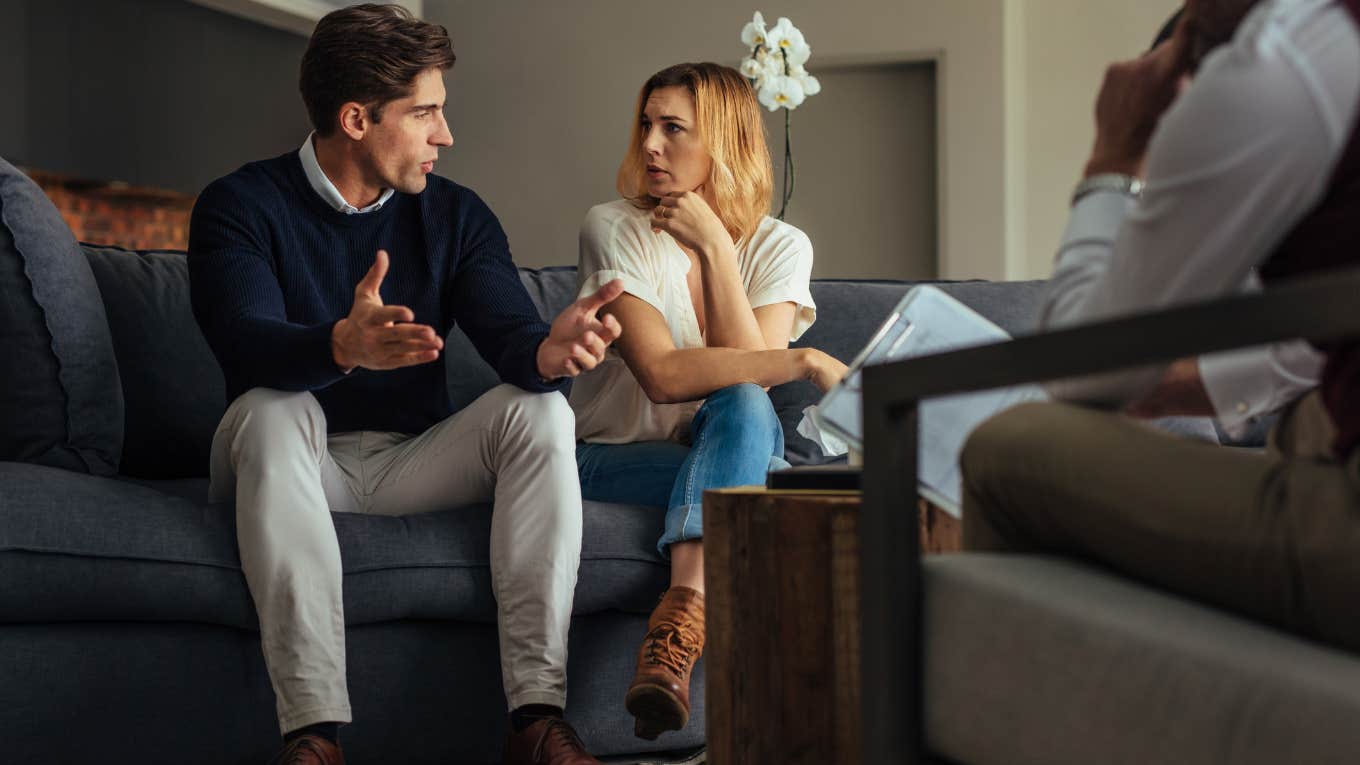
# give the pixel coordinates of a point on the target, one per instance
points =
(1032, 659)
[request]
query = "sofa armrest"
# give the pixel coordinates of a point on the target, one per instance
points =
(1317, 308)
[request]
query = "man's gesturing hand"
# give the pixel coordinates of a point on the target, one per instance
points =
(377, 336)
(578, 340)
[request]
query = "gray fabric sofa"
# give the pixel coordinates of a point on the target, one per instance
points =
(127, 633)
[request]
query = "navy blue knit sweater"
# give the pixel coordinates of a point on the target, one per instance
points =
(272, 268)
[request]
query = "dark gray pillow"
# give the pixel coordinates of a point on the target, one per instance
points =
(848, 312)
(174, 391)
(468, 375)
(61, 403)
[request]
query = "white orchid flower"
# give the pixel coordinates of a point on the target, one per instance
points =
(781, 93)
(753, 33)
(811, 85)
(798, 53)
(773, 64)
(752, 69)
(784, 35)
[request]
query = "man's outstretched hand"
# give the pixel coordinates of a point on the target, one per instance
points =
(578, 339)
(377, 336)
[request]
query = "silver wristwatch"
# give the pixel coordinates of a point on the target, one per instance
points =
(1117, 182)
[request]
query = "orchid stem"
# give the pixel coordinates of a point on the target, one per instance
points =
(788, 167)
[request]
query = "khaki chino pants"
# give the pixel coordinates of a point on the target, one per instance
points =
(1274, 535)
(273, 455)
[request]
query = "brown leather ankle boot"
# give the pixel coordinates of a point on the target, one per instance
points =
(659, 695)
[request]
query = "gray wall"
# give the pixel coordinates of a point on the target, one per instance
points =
(541, 102)
(13, 78)
(864, 171)
(152, 92)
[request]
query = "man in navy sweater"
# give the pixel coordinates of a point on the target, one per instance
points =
(324, 280)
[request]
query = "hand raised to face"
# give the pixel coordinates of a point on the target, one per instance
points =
(377, 336)
(1132, 100)
(578, 339)
(688, 218)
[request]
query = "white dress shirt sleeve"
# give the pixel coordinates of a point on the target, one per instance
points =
(1236, 162)
(1244, 385)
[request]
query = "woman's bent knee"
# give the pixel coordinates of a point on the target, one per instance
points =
(746, 402)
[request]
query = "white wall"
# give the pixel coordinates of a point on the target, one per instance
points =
(1056, 54)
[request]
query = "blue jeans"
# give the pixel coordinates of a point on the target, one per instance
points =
(736, 439)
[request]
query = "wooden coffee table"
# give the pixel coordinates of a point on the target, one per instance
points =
(781, 570)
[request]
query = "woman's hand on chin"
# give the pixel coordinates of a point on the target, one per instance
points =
(687, 217)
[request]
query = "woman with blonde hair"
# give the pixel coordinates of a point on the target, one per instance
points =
(715, 289)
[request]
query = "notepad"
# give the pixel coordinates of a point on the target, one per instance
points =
(926, 321)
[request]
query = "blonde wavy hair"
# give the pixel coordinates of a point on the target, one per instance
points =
(730, 128)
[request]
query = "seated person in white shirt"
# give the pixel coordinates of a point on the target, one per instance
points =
(1252, 165)
(714, 290)
(1236, 387)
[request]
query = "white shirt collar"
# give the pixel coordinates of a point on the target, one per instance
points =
(323, 186)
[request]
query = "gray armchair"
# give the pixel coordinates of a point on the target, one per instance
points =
(1199, 685)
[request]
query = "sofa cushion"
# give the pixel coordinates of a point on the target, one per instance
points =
(60, 400)
(1038, 660)
(124, 551)
(173, 391)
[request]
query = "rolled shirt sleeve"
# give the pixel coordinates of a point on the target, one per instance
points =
(783, 275)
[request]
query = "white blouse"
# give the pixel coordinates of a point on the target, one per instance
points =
(617, 242)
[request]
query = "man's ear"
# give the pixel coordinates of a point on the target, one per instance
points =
(354, 120)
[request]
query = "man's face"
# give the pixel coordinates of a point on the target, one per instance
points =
(403, 148)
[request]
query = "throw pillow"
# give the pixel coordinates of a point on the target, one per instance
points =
(174, 390)
(61, 403)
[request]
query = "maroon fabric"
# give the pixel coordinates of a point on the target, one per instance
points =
(1327, 238)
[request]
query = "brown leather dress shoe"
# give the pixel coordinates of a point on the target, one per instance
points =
(659, 695)
(550, 741)
(309, 750)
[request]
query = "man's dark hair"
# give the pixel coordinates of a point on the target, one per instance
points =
(1212, 23)
(369, 54)
(1169, 28)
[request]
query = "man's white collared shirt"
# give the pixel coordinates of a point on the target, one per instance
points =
(323, 186)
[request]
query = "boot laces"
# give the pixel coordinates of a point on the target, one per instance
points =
(673, 646)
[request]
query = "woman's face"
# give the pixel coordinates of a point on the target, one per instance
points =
(676, 159)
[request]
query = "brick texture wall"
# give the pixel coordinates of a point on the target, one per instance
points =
(101, 212)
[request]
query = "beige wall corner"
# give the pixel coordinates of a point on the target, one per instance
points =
(1057, 52)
